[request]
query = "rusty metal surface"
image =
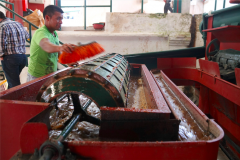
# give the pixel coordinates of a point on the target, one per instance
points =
(114, 68)
(107, 76)
(110, 113)
(139, 130)
(131, 124)
(157, 101)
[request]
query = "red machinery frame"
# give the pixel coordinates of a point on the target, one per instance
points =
(174, 150)
(218, 97)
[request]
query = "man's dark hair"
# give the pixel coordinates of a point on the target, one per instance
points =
(2, 16)
(49, 10)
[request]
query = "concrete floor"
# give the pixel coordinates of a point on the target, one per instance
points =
(221, 155)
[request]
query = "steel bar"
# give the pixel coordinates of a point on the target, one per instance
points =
(87, 104)
(215, 7)
(86, 6)
(68, 128)
(110, 5)
(85, 14)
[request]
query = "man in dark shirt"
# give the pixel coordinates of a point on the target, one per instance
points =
(12, 49)
(167, 6)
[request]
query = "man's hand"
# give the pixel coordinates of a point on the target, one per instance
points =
(67, 48)
(1, 58)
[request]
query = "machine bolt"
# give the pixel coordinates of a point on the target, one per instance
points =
(71, 72)
(43, 87)
(55, 76)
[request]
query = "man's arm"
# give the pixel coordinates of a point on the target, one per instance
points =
(49, 47)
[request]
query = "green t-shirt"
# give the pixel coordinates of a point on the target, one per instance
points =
(42, 63)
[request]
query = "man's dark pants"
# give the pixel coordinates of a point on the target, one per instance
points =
(12, 66)
(167, 7)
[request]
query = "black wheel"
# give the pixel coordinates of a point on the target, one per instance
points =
(215, 42)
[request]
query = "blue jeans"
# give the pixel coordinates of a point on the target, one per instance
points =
(12, 66)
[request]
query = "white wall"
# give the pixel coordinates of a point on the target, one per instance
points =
(196, 7)
(96, 14)
(2, 9)
(210, 4)
(185, 6)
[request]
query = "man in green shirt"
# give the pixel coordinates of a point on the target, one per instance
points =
(45, 47)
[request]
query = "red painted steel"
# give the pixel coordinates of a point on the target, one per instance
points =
(177, 5)
(220, 86)
(210, 67)
(145, 150)
(235, 1)
(176, 63)
(227, 35)
(27, 91)
(153, 90)
(32, 136)
(210, 36)
(119, 113)
(150, 150)
(223, 101)
(13, 115)
(237, 75)
(203, 99)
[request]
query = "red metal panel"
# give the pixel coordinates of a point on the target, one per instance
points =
(153, 90)
(223, 100)
(13, 115)
(226, 33)
(235, 1)
(33, 135)
(210, 36)
(204, 99)
(225, 106)
(163, 63)
(220, 86)
(19, 10)
(119, 113)
(210, 67)
(27, 91)
(231, 45)
(145, 150)
(230, 128)
(237, 75)
(25, 5)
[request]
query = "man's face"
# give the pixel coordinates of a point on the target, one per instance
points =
(56, 20)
